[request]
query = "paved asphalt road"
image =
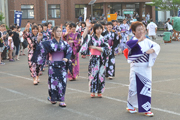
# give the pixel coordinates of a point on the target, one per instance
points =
(21, 100)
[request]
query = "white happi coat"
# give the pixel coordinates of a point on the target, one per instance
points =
(140, 68)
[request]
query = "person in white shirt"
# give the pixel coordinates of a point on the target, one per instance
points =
(148, 17)
(78, 26)
(21, 51)
(169, 25)
(11, 45)
(152, 30)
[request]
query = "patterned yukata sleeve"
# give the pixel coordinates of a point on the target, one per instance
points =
(85, 45)
(78, 43)
(106, 37)
(68, 51)
(105, 53)
(131, 44)
(42, 50)
(30, 42)
(127, 29)
(116, 40)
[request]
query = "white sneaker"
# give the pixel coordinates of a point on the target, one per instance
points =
(131, 110)
(149, 114)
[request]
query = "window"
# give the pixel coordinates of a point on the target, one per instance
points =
(97, 10)
(130, 6)
(116, 7)
(27, 11)
(79, 10)
(54, 11)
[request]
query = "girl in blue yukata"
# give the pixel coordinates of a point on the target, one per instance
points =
(59, 61)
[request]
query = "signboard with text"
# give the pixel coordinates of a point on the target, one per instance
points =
(17, 17)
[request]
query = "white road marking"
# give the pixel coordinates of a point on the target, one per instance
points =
(119, 100)
(115, 99)
(45, 101)
(12, 100)
(16, 76)
(165, 80)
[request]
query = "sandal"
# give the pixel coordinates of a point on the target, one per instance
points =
(71, 79)
(38, 80)
(24, 54)
(83, 56)
(62, 104)
(92, 95)
(131, 110)
(35, 82)
(149, 114)
(99, 95)
(52, 102)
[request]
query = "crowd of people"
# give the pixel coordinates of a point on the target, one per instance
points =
(12, 43)
(59, 49)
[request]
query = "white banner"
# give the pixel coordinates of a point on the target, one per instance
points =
(85, 13)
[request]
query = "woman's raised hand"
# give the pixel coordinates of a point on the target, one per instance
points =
(39, 37)
(88, 24)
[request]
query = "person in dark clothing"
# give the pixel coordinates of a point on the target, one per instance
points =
(1, 45)
(5, 38)
(16, 41)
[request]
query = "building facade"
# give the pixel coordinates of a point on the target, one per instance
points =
(61, 11)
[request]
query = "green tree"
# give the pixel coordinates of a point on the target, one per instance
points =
(167, 5)
(1, 17)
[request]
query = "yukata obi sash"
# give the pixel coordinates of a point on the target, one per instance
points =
(123, 30)
(95, 52)
(110, 42)
(56, 56)
(57, 62)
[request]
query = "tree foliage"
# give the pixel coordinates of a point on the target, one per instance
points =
(167, 5)
(1, 17)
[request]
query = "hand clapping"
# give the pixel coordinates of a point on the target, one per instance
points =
(150, 51)
(39, 37)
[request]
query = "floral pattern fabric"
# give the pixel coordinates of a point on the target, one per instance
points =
(33, 66)
(97, 63)
(75, 54)
(57, 70)
(113, 40)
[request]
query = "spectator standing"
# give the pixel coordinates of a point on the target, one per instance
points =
(80, 18)
(11, 45)
(152, 29)
(1, 44)
(148, 17)
(43, 21)
(21, 41)
(16, 41)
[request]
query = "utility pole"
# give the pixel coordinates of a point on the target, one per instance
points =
(92, 3)
(46, 11)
